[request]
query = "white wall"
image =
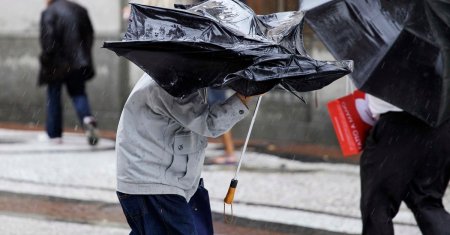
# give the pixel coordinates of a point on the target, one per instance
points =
(105, 15)
(163, 3)
(21, 17)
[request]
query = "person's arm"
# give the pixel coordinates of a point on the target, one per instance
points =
(89, 29)
(245, 99)
(196, 115)
(47, 36)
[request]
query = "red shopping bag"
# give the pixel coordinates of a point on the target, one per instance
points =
(352, 121)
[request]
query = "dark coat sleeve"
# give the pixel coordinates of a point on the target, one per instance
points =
(47, 37)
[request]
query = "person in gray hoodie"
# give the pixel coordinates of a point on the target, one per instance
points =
(160, 147)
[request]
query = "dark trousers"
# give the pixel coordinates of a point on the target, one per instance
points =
(168, 214)
(405, 160)
(157, 214)
(76, 89)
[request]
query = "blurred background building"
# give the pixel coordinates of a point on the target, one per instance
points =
(283, 119)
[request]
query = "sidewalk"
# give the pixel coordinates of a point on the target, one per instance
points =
(284, 195)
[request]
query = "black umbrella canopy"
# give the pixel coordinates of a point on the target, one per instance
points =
(222, 43)
(400, 49)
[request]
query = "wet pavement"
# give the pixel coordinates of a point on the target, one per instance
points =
(70, 189)
(52, 215)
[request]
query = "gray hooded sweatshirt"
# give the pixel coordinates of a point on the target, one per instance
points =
(161, 139)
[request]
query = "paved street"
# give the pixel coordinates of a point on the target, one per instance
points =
(69, 189)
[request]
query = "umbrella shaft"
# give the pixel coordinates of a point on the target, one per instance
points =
(248, 137)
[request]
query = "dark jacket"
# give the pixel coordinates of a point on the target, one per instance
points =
(66, 40)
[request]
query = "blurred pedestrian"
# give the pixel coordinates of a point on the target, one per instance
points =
(404, 159)
(66, 37)
(215, 96)
(160, 146)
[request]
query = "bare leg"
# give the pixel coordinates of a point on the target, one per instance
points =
(229, 156)
(227, 140)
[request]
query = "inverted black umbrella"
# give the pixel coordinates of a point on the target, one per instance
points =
(400, 49)
(222, 43)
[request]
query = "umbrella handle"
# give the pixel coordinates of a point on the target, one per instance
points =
(229, 200)
(230, 194)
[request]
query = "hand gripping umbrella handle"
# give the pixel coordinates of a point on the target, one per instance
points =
(232, 189)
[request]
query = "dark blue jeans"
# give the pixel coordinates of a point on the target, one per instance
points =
(157, 214)
(76, 90)
(168, 214)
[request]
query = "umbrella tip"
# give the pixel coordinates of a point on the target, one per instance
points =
(348, 64)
